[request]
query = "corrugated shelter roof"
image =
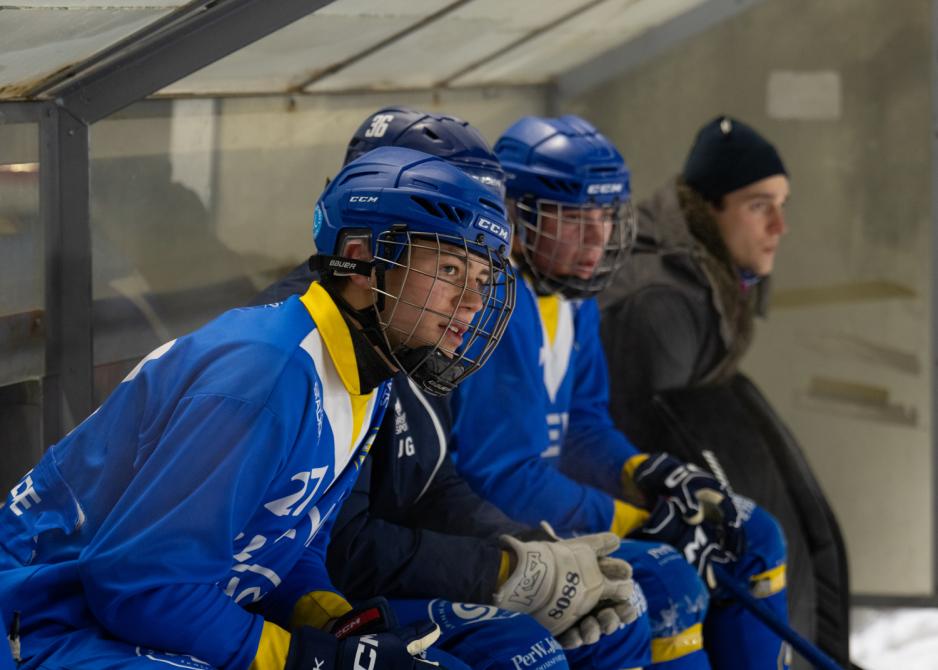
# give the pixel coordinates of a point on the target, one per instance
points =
(345, 45)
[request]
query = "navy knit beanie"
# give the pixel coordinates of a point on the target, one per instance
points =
(729, 155)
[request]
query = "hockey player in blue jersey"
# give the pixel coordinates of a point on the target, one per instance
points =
(544, 446)
(442, 556)
(184, 523)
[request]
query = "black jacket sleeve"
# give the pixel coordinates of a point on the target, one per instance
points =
(371, 556)
(651, 339)
(412, 527)
(450, 505)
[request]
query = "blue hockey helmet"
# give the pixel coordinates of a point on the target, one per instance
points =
(406, 203)
(446, 137)
(570, 194)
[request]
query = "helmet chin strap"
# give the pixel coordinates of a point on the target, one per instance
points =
(430, 368)
(332, 267)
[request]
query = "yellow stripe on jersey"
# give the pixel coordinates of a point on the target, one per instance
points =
(335, 334)
(684, 643)
(549, 307)
(768, 583)
(556, 316)
(362, 407)
(272, 649)
(626, 518)
(318, 608)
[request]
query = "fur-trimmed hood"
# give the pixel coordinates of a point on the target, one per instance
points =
(679, 245)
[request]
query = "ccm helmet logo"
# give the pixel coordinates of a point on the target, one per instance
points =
(498, 230)
(604, 189)
(363, 198)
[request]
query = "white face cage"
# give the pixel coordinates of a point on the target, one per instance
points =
(574, 249)
(443, 305)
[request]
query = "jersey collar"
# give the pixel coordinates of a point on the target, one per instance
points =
(335, 335)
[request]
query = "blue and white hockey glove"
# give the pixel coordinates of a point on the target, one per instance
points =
(700, 493)
(372, 616)
(702, 544)
(314, 649)
(367, 636)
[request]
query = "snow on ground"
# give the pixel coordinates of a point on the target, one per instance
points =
(894, 639)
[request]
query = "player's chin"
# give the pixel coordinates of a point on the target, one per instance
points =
(584, 272)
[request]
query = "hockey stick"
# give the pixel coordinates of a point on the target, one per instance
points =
(760, 610)
(740, 591)
(808, 650)
(811, 653)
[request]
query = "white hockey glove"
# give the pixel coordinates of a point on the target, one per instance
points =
(563, 582)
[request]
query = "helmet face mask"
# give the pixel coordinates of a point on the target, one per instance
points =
(573, 249)
(436, 245)
(443, 305)
(569, 189)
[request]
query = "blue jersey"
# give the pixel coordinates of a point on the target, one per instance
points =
(532, 430)
(198, 497)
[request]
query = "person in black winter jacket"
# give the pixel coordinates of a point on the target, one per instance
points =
(680, 312)
(675, 322)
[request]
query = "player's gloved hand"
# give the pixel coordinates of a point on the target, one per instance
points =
(314, 649)
(702, 544)
(699, 492)
(371, 616)
(605, 619)
(560, 582)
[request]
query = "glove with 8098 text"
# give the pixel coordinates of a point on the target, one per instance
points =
(565, 582)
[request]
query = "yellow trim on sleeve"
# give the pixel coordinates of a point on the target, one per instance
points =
(504, 568)
(549, 308)
(318, 608)
(272, 649)
(768, 583)
(630, 466)
(335, 334)
(684, 643)
(626, 518)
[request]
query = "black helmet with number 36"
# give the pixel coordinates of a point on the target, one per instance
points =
(446, 137)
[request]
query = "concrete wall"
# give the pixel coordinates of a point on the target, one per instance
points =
(843, 88)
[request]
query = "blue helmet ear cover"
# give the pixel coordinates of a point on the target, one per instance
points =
(395, 190)
(563, 159)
